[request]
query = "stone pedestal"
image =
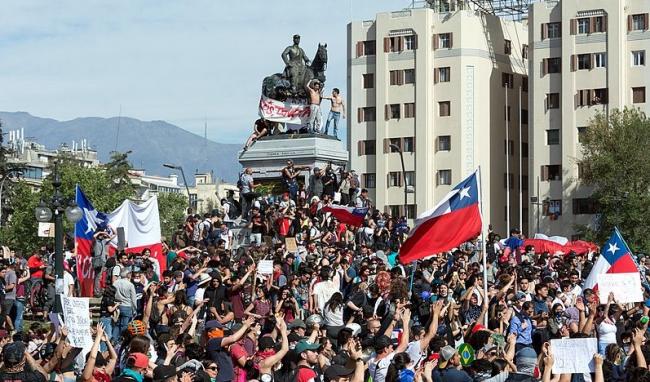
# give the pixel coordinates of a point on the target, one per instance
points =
(268, 156)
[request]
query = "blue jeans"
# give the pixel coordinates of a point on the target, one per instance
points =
(334, 117)
(292, 187)
(19, 306)
(126, 315)
(108, 328)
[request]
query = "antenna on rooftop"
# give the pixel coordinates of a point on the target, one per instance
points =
(117, 134)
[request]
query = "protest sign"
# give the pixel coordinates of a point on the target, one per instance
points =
(76, 314)
(265, 267)
(45, 229)
(625, 286)
(574, 355)
(290, 243)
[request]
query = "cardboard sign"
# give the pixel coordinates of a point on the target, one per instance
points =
(625, 286)
(265, 267)
(45, 229)
(574, 355)
(76, 314)
(290, 243)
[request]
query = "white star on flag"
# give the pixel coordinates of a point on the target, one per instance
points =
(464, 192)
(613, 248)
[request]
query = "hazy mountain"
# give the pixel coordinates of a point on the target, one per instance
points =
(152, 142)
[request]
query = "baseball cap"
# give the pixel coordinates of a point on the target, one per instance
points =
(213, 324)
(162, 372)
(303, 346)
(519, 295)
(297, 324)
(265, 342)
(446, 353)
(337, 371)
(138, 360)
(13, 353)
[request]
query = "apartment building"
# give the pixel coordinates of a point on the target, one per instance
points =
(433, 83)
(585, 57)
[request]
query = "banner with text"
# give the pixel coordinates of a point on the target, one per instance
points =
(76, 315)
(284, 112)
(574, 355)
(625, 286)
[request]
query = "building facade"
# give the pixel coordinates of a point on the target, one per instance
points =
(433, 83)
(207, 192)
(147, 186)
(586, 57)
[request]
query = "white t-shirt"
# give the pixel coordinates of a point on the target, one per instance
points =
(324, 291)
(68, 284)
(378, 370)
(226, 237)
(414, 351)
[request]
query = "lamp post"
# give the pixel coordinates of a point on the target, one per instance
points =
(187, 188)
(58, 206)
(9, 175)
(401, 158)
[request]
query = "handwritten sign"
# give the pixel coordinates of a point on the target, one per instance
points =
(45, 229)
(625, 286)
(574, 355)
(76, 314)
(290, 243)
(265, 267)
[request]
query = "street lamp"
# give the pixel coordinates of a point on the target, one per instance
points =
(58, 206)
(406, 187)
(9, 175)
(180, 168)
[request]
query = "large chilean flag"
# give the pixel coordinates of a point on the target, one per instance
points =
(615, 257)
(455, 220)
(348, 215)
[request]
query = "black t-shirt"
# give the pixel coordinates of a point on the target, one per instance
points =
(21, 376)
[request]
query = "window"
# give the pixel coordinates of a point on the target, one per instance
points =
(369, 180)
(393, 111)
(551, 172)
(394, 142)
(637, 22)
(507, 79)
(442, 74)
(395, 77)
(366, 114)
(444, 177)
(582, 132)
(638, 95)
(445, 108)
(584, 61)
(397, 210)
(600, 60)
(553, 137)
(599, 97)
(409, 42)
(409, 179)
(366, 48)
(506, 113)
(507, 46)
(524, 84)
(599, 24)
(444, 40)
(394, 179)
(552, 65)
(368, 80)
(444, 143)
(551, 30)
(583, 25)
(583, 206)
(393, 44)
(524, 182)
(524, 149)
(638, 58)
(553, 100)
(509, 147)
(553, 208)
(509, 180)
(409, 110)
(368, 147)
(33, 173)
(408, 144)
(524, 51)
(409, 76)
(524, 116)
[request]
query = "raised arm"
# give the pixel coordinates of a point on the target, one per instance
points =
(404, 341)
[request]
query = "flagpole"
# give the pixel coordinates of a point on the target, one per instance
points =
(483, 244)
(521, 176)
(507, 166)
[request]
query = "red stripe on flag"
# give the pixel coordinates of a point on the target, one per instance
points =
(442, 233)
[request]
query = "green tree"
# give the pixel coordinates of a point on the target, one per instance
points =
(172, 212)
(615, 163)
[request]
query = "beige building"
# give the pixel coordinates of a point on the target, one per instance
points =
(434, 83)
(586, 56)
(207, 192)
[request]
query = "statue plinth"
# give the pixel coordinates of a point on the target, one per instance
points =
(268, 155)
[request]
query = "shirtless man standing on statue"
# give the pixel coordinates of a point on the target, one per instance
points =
(314, 90)
(336, 110)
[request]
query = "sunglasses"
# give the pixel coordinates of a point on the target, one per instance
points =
(214, 368)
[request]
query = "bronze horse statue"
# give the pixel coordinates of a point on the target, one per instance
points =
(277, 86)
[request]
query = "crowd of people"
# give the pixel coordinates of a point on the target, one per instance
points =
(336, 304)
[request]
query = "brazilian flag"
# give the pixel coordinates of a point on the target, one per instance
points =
(466, 353)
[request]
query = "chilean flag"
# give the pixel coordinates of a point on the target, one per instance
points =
(84, 231)
(615, 257)
(455, 220)
(347, 215)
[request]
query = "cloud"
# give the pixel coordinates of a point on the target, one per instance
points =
(182, 62)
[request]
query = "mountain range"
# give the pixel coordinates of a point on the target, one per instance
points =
(151, 143)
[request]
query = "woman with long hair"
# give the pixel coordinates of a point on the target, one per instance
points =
(333, 315)
(400, 369)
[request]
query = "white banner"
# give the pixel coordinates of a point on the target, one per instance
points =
(574, 355)
(283, 112)
(141, 222)
(76, 314)
(625, 286)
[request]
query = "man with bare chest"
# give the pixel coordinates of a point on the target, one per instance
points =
(338, 108)
(314, 89)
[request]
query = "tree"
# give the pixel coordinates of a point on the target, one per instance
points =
(615, 163)
(172, 212)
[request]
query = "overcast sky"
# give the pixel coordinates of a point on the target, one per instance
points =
(178, 61)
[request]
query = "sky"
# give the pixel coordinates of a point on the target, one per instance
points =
(185, 62)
